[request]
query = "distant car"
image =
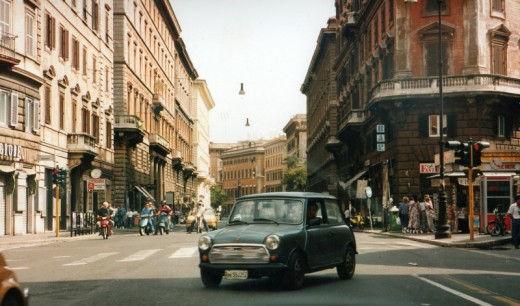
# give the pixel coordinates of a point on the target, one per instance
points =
(11, 292)
(270, 235)
(209, 216)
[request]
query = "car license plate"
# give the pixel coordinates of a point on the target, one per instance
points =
(235, 274)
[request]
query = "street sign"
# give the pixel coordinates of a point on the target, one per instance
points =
(427, 168)
(380, 147)
(96, 184)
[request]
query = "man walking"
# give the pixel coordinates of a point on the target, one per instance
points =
(514, 213)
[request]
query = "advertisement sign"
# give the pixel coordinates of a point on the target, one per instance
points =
(96, 184)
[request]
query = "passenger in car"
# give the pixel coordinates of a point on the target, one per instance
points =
(312, 209)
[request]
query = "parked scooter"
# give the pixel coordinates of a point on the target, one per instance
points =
(497, 227)
(104, 226)
(357, 221)
(163, 225)
(145, 224)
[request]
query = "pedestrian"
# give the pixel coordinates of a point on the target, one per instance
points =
(514, 213)
(422, 216)
(403, 214)
(430, 211)
(130, 218)
(413, 215)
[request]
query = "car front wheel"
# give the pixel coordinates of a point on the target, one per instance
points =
(210, 279)
(295, 275)
(348, 266)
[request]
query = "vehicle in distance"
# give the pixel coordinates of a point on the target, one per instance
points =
(272, 235)
(11, 292)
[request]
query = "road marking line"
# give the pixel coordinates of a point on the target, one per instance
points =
(141, 255)
(455, 292)
(184, 253)
(19, 268)
(90, 259)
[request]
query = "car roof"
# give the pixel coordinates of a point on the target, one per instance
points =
(289, 194)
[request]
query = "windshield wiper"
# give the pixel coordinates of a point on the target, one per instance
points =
(264, 219)
(237, 222)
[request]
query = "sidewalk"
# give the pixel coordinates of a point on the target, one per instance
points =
(480, 241)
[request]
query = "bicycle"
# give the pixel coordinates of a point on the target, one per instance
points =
(497, 227)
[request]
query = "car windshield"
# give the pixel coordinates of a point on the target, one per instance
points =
(288, 211)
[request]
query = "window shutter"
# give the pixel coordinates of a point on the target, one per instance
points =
(14, 110)
(451, 125)
(28, 115)
(36, 113)
(423, 126)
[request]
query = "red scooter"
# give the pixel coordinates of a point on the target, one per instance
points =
(104, 226)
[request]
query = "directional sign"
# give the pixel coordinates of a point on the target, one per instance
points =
(380, 147)
(96, 184)
(380, 137)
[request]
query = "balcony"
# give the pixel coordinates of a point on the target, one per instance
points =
(350, 25)
(158, 104)
(159, 144)
(481, 84)
(82, 146)
(129, 129)
(351, 119)
(7, 49)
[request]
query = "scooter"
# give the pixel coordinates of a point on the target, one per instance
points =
(145, 224)
(497, 227)
(357, 221)
(104, 226)
(163, 225)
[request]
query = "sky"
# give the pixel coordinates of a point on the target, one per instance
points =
(265, 44)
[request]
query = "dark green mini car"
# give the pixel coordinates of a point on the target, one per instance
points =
(281, 235)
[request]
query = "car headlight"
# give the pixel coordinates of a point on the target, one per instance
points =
(272, 242)
(204, 242)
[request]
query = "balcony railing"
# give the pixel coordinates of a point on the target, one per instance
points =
(128, 122)
(7, 48)
(353, 117)
(157, 140)
(481, 83)
(82, 143)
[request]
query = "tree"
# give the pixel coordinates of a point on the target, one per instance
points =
(218, 197)
(296, 177)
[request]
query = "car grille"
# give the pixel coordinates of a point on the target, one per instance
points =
(239, 253)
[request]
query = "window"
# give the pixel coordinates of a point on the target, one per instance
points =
(94, 69)
(30, 41)
(107, 24)
(499, 39)
(84, 68)
(108, 132)
(50, 32)
(62, 111)
(85, 121)
(74, 111)
(95, 127)
(432, 58)
(32, 111)
(5, 104)
(95, 15)
(433, 125)
(498, 6)
(501, 126)
(432, 7)
(75, 53)
(64, 43)
(48, 105)
(5, 17)
(107, 79)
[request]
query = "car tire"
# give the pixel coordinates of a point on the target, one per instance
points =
(295, 274)
(348, 266)
(210, 279)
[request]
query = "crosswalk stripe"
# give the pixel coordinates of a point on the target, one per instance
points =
(184, 253)
(141, 255)
(90, 259)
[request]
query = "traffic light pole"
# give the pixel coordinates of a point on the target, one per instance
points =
(471, 201)
(57, 210)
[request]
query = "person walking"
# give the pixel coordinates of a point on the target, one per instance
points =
(514, 213)
(413, 213)
(404, 209)
(422, 216)
(429, 213)
(130, 218)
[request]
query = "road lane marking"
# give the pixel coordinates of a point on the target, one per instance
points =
(141, 255)
(90, 259)
(455, 292)
(19, 268)
(184, 253)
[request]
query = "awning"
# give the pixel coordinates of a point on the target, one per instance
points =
(449, 174)
(498, 173)
(145, 193)
(6, 169)
(347, 184)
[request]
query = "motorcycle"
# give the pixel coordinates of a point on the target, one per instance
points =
(357, 221)
(145, 224)
(497, 227)
(163, 225)
(104, 226)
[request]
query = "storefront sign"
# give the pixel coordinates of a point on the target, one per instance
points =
(427, 168)
(96, 184)
(498, 163)
(11, 151)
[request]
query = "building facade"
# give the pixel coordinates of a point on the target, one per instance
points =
(154, 115)
(389, 105)
(275, 168)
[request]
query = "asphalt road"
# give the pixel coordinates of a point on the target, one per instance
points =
(128, 269)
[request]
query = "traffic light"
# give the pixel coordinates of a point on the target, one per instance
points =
(55, 172)
(62, 176)
(462, 154)
(477, 152)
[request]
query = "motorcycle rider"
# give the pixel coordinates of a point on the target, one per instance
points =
(164, 208)
(148, 210)
(105, 211)
(198, 214)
